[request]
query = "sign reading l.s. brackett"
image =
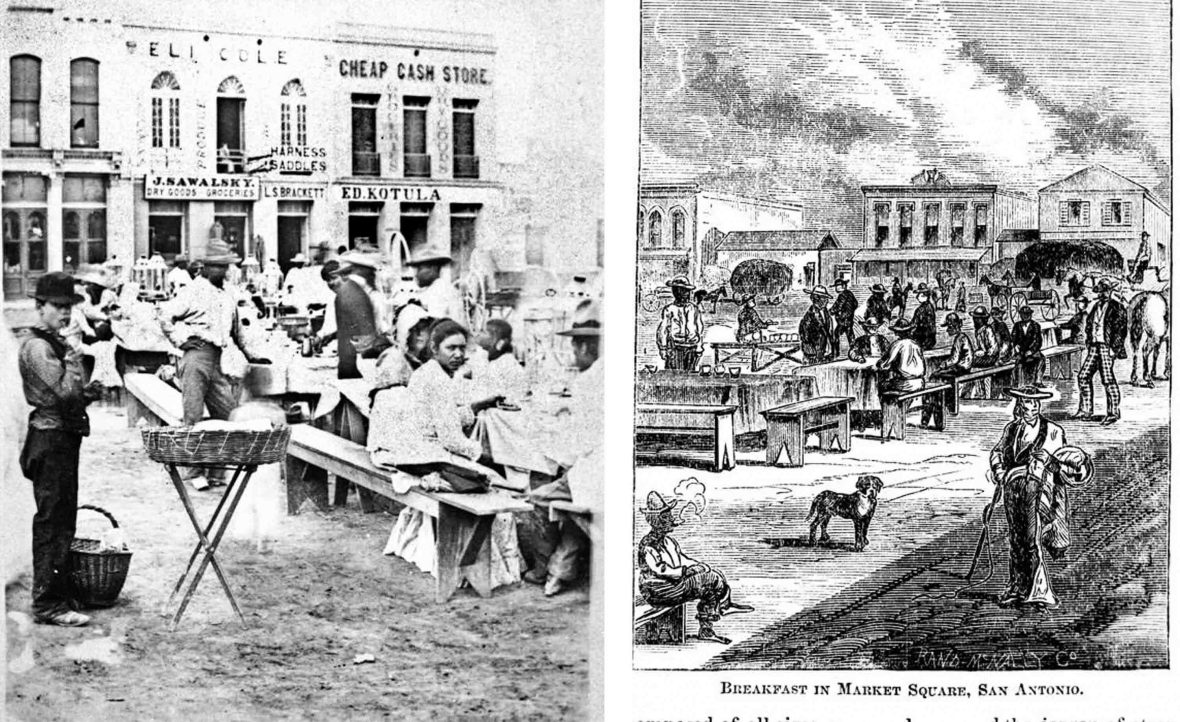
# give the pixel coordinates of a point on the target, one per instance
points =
(201, 188)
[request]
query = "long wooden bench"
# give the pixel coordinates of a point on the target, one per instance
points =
(147, 397)
(896, 406)
(975, 375)
(718, 417)
(464, 521)
(787, 428)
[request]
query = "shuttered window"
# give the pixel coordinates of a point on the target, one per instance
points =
(1075, 213)
(1116, 213)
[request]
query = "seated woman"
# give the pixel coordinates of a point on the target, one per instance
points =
(411, 349)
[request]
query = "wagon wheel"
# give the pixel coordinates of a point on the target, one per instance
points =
(1050, 309)
(1015, 303)
(651, 302)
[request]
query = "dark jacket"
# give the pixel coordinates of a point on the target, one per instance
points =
(1004, 334)
(844, 308)
(1026, 338)
(878, 306)
(54, 383)
(815, 334)
(354, 317)
(1114, 328)
(925, 326)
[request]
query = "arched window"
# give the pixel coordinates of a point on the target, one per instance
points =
(84, 103)
(24, 105)
(165, 111)
(678, 228)
(231, 126)
(293, 115)
(655, 230)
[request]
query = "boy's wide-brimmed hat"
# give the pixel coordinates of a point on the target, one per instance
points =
(656, 504)
(57, 288)
(587, 321)
(680, 282)
(218, 253)
(1029, 391)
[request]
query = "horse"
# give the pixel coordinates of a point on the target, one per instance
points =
(997, 290)
(702, 296)
(1149, 317)
(899, 300)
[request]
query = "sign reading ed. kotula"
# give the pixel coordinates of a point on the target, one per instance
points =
(201, 188)
(389, 193)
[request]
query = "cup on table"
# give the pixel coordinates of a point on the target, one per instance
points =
(735, 371)
(706, 369)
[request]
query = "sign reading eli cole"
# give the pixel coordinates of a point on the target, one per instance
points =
(201, 188)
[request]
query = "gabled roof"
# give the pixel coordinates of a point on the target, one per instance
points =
(1101, 178)
(812, 239)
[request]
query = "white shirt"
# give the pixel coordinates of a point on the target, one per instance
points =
(442, 301)
(202, 310)
(905, 357)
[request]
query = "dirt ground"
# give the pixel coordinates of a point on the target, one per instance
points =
(322, 595)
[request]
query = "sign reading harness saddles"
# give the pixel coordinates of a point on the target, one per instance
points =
(201, 188)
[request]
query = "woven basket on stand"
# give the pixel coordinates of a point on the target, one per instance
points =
(98, 574)
(185, 446)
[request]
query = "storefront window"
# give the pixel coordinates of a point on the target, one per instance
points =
(414, 221)
(25, 232)
(362, 223)
(463, 119)
(84, 220)
(235, 224)
(464, 217)
(24, 77)
(292, 229)
(84, 103)
(417, 162)
(166, 229)
(365, 159)
(231, 128)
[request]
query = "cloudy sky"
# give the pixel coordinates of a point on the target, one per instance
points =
(812, 99)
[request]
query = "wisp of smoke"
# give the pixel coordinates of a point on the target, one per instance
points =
(692, 492)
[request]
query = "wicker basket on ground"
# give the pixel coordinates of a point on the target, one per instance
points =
(98, 574)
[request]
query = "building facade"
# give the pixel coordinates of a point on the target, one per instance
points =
(680, 225)
(913, 231)
(128, 139)
(1097, 204)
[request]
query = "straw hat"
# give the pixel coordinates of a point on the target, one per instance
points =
(680, 282)
(586, 321)
(656, 504)
(218, 253)
(1028, 391)
(360, 257)
(821, 291)
(96, 275)
(424, 255)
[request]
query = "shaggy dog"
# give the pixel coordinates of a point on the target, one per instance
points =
(858, 507)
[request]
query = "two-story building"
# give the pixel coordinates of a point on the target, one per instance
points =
(1097, 204)
(129, 138)
(913, 231)
(679, 226)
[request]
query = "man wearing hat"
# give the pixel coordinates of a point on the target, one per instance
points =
(1026, 345)
(438, 297)
(679, 334)
(902, 368)
(1137, 267)
(202, 321)
(962, 356)
(878, 306)
(580, 453)
(987, 342)
(1033, 465)
(1106, 339)
(1003, 333)
(294, 273)
(750, 322)
(843, 311)
(359, 312)
(924, 320)
(669, 578)
(53, 381)
(817, 329)
(871, 343)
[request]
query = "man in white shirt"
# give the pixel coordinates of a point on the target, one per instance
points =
(439, 298)
(679, 335)
(903, 367)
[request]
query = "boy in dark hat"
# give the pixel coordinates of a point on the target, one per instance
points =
(871, 343)
(668, 577)
(750, 322)
(817, 329)
(52, 377)
(1026, 344)
(843, 310)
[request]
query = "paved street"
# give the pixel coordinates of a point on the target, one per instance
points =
(892, 605)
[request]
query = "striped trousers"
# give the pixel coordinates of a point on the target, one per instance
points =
(1100, 360)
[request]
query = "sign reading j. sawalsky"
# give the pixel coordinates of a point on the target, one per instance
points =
(201, 188)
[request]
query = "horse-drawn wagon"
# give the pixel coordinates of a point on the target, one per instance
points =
(1013, 298)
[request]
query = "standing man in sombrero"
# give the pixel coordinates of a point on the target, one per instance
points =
(202, 321)
(668, 577)
(438, 297)
(817, 328)
(924, 321)
(53, 380)
(1034, 466)
(679, 335)
(877, 305)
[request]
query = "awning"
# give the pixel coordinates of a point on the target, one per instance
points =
(919, 254)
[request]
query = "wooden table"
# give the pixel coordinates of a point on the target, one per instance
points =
(750, 393)
(787, 428)
(857, 381)
(682, 419)
(725, 353)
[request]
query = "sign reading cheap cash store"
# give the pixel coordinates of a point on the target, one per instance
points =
(201, 188)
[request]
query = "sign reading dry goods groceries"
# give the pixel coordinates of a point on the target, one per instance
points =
(201, 188)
